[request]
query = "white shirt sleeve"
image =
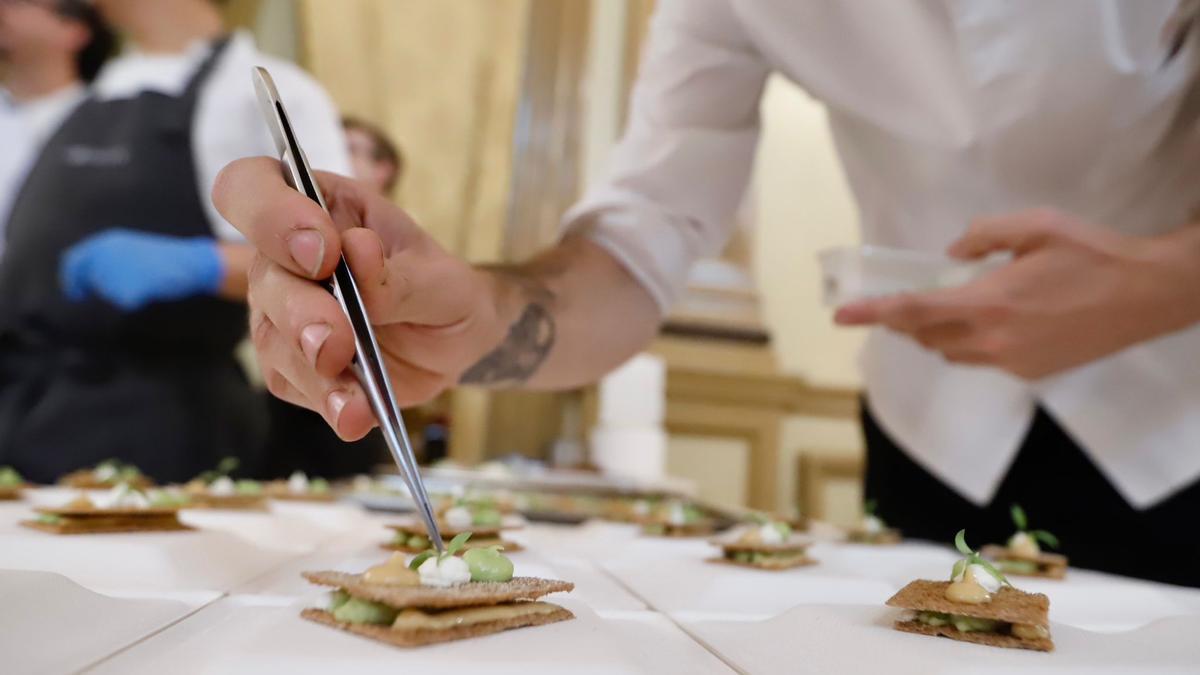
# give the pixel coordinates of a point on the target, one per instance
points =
(229, 125)
(679, 173)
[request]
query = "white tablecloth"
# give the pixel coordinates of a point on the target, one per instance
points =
(226, 599)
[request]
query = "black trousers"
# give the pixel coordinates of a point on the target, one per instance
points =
(300, 440)
(1060, 489)
(61, 411)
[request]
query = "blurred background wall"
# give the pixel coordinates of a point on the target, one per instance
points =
(505, 110)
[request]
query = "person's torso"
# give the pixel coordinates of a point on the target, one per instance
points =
(127, 163)
(24, 127)
(946, 110)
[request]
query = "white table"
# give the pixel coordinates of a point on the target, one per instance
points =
(226, 599)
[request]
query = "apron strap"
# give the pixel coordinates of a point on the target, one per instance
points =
(219, 46)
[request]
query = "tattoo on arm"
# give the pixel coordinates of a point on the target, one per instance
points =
(530, 339)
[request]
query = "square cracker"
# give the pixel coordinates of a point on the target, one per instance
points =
(887, 537)
(420, 637)
(448, 533)
(792, 543)
(227, 502)
(990, 639)
(85, 479)
(508, 546)
(8, 494)
(769, 565)
(1008, 604)
(108, 525)
(1050, 565)
(473, 594)
(122, 512)
(680, 531)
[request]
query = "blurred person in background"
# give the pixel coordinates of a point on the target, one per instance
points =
(1064, 133)
(122, 295)
(376, 160)
(49, 49)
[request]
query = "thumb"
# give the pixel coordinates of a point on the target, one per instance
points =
(1018, 233)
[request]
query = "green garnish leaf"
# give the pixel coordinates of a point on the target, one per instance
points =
(421, 557)
(1018, 516)
(758, 518)
(691, 514)
(869, 507)
(960, 566)
(960, 543)
(973, 558)
(457, 543)
(227, 465)
(1045, 537)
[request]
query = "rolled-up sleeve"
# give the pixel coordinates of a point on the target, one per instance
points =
(679, 173)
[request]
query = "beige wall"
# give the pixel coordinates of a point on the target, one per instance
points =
(442, 78)
(802, 205)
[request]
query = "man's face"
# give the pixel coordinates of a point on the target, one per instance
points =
(33, 29)
(367, 169)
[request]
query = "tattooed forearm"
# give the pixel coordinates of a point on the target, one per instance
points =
(530, 339)
(518, 357)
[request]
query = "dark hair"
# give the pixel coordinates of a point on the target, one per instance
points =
(101, 43)
(385, 150)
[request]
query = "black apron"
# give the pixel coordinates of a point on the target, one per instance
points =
(82, 381)
(1060, 488)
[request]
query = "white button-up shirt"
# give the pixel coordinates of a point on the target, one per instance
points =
(942, 111)
(24, 129)
(228, 123)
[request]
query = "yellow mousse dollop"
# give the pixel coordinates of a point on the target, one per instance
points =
(968, 589)
(393, 572)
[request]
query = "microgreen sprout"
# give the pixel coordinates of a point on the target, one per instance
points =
(224, 468)
(869, 508)
(1022, 523)
(972, 558)
(452, 548)
(758, 518)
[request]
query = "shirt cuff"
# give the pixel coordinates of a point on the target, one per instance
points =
(654, 250)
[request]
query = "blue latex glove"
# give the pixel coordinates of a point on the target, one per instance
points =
(132, 269)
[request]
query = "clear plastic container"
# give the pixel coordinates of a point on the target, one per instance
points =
(859, 272)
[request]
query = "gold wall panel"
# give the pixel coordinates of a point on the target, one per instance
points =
(443, 79)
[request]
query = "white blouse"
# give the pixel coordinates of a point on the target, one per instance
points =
(942, 111)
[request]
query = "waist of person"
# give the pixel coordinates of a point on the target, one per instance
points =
(33, 352)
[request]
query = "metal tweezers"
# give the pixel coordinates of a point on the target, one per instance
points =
(368, 360)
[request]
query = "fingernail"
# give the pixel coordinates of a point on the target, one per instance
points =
(312, 338)
(308, 250)
(337, 401)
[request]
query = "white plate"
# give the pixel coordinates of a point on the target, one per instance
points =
(149, 561)
(52, 625)
(856, 639)
(674, 576)
(236, 635)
